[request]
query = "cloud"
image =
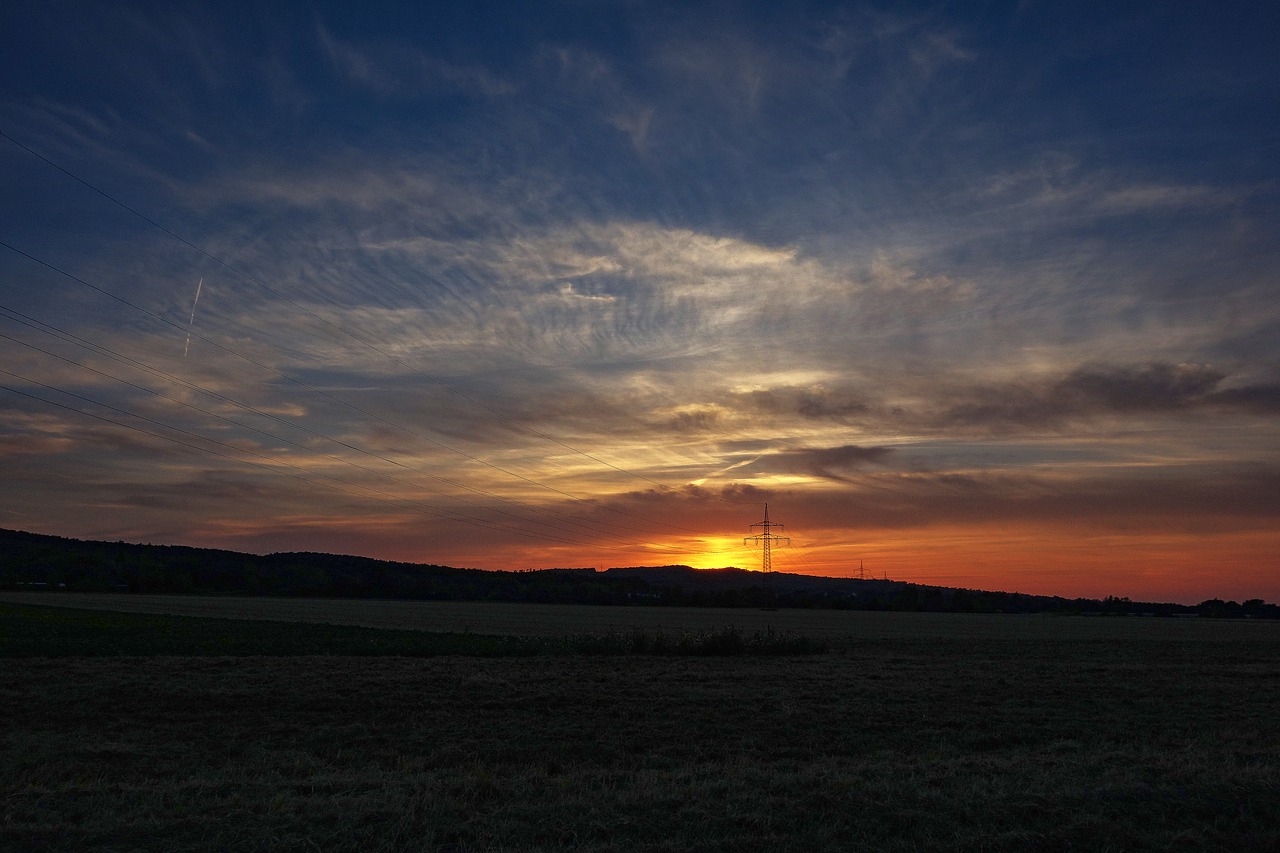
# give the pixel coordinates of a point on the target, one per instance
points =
(333, 180)
(1136, 198)
(901, 269)
(828, 463)
(1255, 399)
(580, 68)
(1174, 500)
(396, 70)
(617, 286)
(810, 402)
(1104, 390)
(33, 445)
(695, 418)
(1149, 388)
(1101, 395)
(635, 124)
(1058, 182)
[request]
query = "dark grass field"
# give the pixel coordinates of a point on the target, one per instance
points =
(48, 631)
(1066, 734)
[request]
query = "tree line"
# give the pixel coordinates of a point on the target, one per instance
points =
(48, 563)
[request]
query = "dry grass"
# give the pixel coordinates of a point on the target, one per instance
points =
(952, 738)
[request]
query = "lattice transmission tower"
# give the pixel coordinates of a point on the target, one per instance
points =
(766, 539)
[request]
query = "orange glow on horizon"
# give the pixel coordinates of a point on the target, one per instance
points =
(1040, 559)
(1149, 567)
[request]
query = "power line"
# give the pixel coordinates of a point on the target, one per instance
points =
(327, 322)
(278, 438)
(451, 515)
(327, 395)
(54, 331)
(766, 538)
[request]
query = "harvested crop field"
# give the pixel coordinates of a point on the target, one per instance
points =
(553, 620)
(913, 732)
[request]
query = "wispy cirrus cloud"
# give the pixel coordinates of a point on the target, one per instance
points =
(393, 69)
(935, 271)
(1057, 181)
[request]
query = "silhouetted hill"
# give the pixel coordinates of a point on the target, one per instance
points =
(38, 562)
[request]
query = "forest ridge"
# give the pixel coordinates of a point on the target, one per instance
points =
(36, 562)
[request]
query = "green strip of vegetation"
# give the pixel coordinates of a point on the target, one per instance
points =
(42, 631)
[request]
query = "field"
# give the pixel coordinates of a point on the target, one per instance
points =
(910, 732)
(560, 619)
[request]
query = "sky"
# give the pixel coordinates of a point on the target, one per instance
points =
(973, 294)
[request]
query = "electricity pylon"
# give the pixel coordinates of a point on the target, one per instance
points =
(766, 540)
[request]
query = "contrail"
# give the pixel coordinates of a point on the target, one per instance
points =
(192, 321)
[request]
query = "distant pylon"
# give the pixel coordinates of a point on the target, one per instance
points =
(766, 539)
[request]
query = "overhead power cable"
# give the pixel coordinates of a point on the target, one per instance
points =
(269, 435)
(54, 331)
(275, 464)
(329, 396)
(358, 338)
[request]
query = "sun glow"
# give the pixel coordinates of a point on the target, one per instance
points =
(718, 552)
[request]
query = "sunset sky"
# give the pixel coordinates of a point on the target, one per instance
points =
(980, 295)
